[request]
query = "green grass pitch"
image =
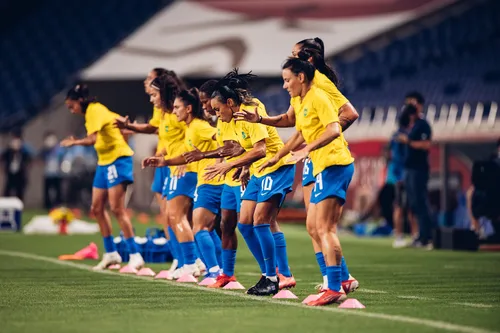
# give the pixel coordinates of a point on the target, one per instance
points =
(403, 290)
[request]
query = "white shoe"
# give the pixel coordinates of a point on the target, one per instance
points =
(174, 265)
(399, 243)
(136, 261)
(187, 269)
(108, 259)
(201, 266)
(177, 273)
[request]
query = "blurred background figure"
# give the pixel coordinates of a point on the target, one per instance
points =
(417, 170)
(16, 160)
(52, 155)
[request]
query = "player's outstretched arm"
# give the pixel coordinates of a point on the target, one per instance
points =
(124, 123)
(72, 141)
(283, 120)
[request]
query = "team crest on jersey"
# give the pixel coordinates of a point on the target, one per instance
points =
(305, 112)
(166, 128)
(244, 135)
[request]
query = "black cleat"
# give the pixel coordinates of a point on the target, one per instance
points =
(251, 291)
(265, 288)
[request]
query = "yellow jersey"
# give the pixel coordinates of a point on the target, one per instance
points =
(200, 135)
(225, 132)
(250, 133)
(172, 133)
(322, 82)
(156, 121)
(110, 144)
(312, 115)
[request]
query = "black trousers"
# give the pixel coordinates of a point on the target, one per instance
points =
(14, 186)
(52, 194)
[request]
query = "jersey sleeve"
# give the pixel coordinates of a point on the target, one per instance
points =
(326, 110)
(95, 119)
(257, 132)
(155, 121)
(205, 132)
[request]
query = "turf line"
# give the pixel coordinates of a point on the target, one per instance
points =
(361, 313)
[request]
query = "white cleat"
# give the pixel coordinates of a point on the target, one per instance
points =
(399, 243)
(135, 261)
(174, 265)
(185, 270)
(201, 266)
(108, 259)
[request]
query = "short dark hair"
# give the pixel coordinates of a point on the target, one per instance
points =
(208, 87)
(296, 66)
(81, 91)
(417, 96)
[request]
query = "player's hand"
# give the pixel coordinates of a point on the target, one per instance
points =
(180, 171)
(193, 155)
(244, 177)
(251, 117)
(219, 169)
(269, 163)
(68, 142)
(231, 149)
(299, 155)
(122, 122)
(154, 161)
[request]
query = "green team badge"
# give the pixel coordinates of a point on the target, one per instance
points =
(244, 135)
(166, 128)
(305, 112)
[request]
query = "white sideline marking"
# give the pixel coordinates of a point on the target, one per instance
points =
(371, 291)
(474, 305)
(414, 297)
(404, 319)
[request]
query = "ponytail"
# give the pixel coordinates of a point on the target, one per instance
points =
(315, 48)
(192, 97)
(235, 86)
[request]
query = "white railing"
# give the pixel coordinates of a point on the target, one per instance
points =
(448, 123)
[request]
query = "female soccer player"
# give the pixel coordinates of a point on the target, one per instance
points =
(231, 193)
(157, 125)
(114, 172)
(318, 125)
(199, 136)
(325, 78)
(266, 190)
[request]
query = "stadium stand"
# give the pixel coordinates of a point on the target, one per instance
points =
(44, 49)
(453, 63)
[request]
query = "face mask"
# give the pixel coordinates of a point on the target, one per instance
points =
(50, 141)
(16, 144)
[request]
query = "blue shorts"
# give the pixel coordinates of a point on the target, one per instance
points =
(278, 182)
(332, 182)
(186, 185)
(307, 173)
(208, 196)
(121, 171)
(231, 198)
(160, 180)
